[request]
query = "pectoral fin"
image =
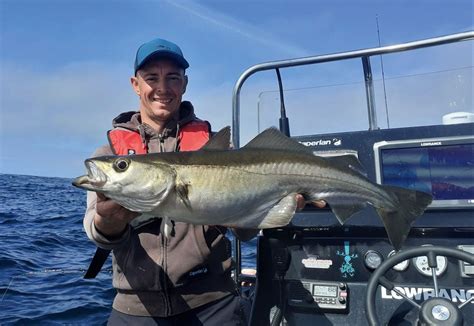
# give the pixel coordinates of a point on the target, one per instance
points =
(182, 190)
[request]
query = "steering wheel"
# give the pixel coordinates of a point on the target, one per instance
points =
(434, 311)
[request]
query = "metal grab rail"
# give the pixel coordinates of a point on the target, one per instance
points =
(364, 54)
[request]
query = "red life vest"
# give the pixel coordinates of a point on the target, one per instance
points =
(192, 136)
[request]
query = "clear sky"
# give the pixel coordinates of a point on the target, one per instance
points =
(65, 65)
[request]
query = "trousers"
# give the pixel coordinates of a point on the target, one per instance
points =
(232, 310)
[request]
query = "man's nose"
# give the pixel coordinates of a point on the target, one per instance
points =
(162, 84)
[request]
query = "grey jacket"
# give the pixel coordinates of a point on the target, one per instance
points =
(153, 275)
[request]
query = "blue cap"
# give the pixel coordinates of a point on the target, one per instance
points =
(159, 48)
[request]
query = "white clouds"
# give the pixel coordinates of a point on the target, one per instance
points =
(58, 116)
(250, 33)
(78, 99)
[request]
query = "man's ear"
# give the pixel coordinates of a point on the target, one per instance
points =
(134, 82)
(185, 83)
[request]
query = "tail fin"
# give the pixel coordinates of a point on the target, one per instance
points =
(398, 222)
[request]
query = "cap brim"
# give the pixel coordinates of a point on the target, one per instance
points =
(166, 55)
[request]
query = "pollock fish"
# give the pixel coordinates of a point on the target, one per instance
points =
(251, 187)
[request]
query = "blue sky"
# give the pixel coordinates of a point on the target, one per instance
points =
(65, 65)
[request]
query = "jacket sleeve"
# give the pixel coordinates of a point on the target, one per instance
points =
(92, 233)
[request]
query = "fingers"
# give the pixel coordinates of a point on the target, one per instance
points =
(110, 209)
(300, 202)
(100, 196)
(319, 203)
(111, 219)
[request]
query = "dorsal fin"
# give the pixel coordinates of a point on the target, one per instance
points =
(272, 138)
(349, 161)
(220, 141)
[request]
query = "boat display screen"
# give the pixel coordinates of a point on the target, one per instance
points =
(445, 171)
(324, 291)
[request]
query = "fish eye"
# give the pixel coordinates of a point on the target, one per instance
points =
(121, 164)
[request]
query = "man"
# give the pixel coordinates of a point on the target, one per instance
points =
(184, 279)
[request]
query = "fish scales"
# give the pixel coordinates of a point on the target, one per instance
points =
(209, 192)
(241, 170)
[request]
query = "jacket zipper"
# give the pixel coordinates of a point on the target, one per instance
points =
(162, 143)
(164, 240)
(164, 244)
(164, 263)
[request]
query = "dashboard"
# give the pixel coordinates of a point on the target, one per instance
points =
(328, 271)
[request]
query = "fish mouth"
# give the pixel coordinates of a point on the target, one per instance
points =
(95, 178)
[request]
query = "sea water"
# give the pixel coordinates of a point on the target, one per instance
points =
(44, 253)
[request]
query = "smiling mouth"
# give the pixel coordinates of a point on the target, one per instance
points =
(163, 101)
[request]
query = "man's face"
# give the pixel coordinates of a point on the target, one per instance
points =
(160, 84)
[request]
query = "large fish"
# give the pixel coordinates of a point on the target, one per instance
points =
(251, 187)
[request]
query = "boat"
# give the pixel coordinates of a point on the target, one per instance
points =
(318, 272)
